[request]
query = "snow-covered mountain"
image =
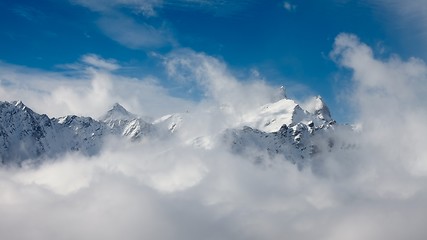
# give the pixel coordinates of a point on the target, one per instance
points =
(123, 123)
(279, 128)
(271, 117)
(25, 134)
(285, 128)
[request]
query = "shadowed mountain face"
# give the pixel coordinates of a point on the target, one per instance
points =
(25, 134)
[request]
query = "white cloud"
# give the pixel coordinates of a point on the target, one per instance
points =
(289, 6)
(217, 82)
(99, 62)
(133, 30)
(217, 7)
(170, 190)
(87, 90)
(409, 11)
(224, 96)
(390, 95)
(130, 30)
(146, 7)
(406, 20)
(131, 34)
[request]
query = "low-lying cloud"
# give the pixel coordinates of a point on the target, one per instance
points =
(169, 189)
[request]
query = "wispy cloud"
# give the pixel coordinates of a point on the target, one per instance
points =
(407, 19)
(149, 7)
(98, 62)
(289, 6)
(132, 28)
(132, 34)
(29, 13)
(216, 7)
(145, 7)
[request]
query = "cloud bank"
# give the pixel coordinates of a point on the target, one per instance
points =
(173, 190)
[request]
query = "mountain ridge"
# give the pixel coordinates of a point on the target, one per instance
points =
(279, 128)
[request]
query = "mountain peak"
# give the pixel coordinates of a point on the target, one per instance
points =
(118, 107)
(321, 109)
(19, 104)
(117, 112)
(270, 117)
(280, 94)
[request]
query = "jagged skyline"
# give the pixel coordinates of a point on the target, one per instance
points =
(281, 42)
(29, 136)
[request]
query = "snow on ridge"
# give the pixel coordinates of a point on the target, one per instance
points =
(272, 116)
(117, 112)
(25, 134)
(282, 127)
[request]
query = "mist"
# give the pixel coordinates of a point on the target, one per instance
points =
(171, 189)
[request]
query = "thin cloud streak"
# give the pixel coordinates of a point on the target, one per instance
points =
(131, 34)
(289, 6)
(407, 20)
(134, 31)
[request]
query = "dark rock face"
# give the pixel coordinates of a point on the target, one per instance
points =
(25, 134)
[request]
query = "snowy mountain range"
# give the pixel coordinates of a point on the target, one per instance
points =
(279, 128)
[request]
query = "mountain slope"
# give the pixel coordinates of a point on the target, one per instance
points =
(282, 128)
(123, 123)
(25, 134)
(285, 129)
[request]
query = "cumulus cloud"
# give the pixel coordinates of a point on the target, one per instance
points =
(172, 190)
(390, 95)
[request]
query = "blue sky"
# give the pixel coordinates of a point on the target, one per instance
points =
(285, 42)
